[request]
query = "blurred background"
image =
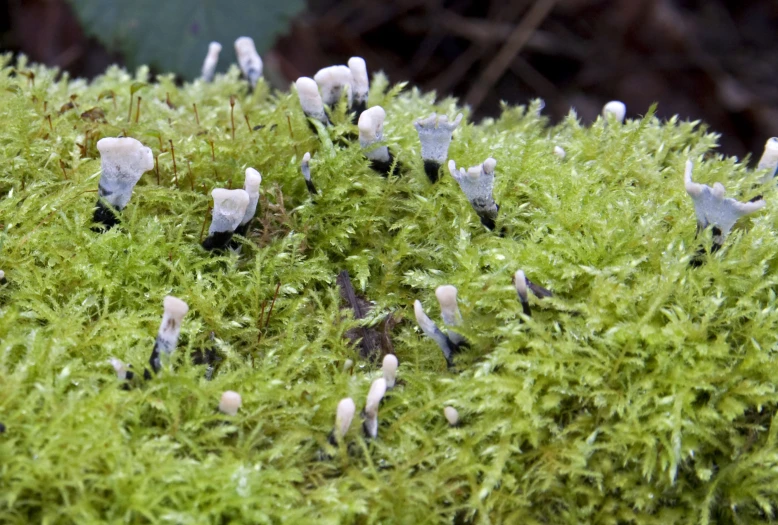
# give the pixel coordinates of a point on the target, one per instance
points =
(713, 60)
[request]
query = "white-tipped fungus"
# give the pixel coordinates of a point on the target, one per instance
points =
(371, 132)
(713, 209)
(230, 403)
(449, 311)
(2, 277)
(211, 59)
(169, 329)
(560, 152)
(123, 161)
(248, 59)
(343, 417)
(452, 416)
(520, 282)
(305, 167)
(333, 81)
(359, 82)
(310, 99)
(251, 187)
(435, 133)
(433, 332)
(121, 368)
(229, 208)
(374, 397)
(477, 183)
(389, 368)
(769, 160)
(616, 109)
(348, 364)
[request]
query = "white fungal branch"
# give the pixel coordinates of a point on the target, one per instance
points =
(371, 133)
(359, 79)
(389, 369)
(449, 311)
(343, 417)
(769, 160)
(435, 133)
(431, 330)
(251, 187)
(374, 397)
(229, 208)
(713, 209)
(615, 109)
(333, 81)
(248, 59)
(167, 337)
(123, 161)
(211, 60)
(230, 403)
(310, 99)
(478, 185)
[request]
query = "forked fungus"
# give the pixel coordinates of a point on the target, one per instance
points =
(229, 208)
(435, 133)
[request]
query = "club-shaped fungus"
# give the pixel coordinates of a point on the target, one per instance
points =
(449, 311)
(122, 369)
(614, 109)
(389, 369)
(229, 208)
(333, 81)
(211, 60)
(360, 84)
(251, 187)
(305, 167)
(169, 329)
(769, 160)
(374, 397)
(371, 134)
(520, 282)
(452, 416)
(310, 99)
(477, 183)
(230, 403)
(343, 417)
(435, 133)
(248, 59)
(429, 328)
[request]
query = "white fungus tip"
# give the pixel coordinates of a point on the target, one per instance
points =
(374, 397)
(489, 165)
(421, 317)
(769, 158)
(214, 47)
(332, 81)
(348, 365)
(230, 403)
(229, 198)
(252, 181)
(520, 282)
(616, 108)
(692, 188)
(389, 368)
(307, 157)
(452, 416)
(248, 59)
(175, 307)
(560, 152)
(120, 367)
(447, 298)
(344, 415)
(371, 123)
(2, 275)
(359, 77)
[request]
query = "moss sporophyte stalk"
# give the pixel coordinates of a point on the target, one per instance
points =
(642, 391)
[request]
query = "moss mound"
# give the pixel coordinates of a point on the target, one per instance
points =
(642, 392)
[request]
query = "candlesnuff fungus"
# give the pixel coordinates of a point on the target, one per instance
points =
(360, 84)
(435, 134)
(520, 282)
(251, 187)
(211, 59)
(167, 337)
(769, 160)
(478, 183)
(343, 417)
(310, 99)
(2, 277)
(248, 59)
(122, 369)
(452, 416)
(616, 109)
(433, 332)
(332, 82)
(230, 403)
(306, 169)
(371, 133)
(374, 397)
(560, 152)
(123, 161)
(713, 209)
(449, 311)
(389, 369)
(229, 208)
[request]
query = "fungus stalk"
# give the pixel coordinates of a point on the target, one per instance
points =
(248, 59)
(449, 311)
(251, 187)
(769, 160)
(310, 100)
(343, 417)
(211, 59)
(431, 330)
(435, 133)
(360, 85)
(374, 397)
(371, 134)
(123, 161)
(306, 169)
(713, 209)
(389, 369)
(478, 184)
(169, 329)
(520, 282)
(229, 209)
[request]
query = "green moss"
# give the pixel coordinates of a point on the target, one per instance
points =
(643, 392)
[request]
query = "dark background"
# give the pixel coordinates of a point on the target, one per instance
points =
(713, 60)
